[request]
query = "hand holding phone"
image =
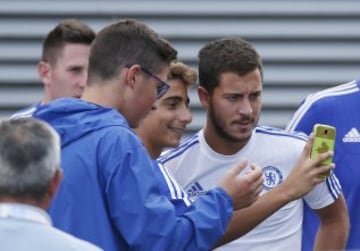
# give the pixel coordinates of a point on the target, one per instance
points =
(324, 141)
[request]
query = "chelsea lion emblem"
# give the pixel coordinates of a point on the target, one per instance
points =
(272, 177)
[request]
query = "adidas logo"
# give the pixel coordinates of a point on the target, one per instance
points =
(195, 191)
(352, 136)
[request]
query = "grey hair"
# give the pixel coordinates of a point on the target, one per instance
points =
(29, 158)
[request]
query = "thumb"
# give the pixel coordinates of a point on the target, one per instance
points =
(238, 168)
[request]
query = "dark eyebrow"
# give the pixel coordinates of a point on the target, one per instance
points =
(256, 93)
(177, 98)
(232, 94)
(75, 67)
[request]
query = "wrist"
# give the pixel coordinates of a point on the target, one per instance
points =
(285, 193)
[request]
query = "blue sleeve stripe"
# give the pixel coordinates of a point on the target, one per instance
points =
(178, 151)
(336, 183)
(334, 186)
(168, 182)
(176, 192)
(180, 194)
(344, 89)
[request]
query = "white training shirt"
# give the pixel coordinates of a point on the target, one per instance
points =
(198, 168)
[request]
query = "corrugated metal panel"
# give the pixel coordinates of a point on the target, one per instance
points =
(306, 45)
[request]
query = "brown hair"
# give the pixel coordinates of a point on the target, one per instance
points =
(231, 54)
(127, 42)
(68, 31)
(183, 72)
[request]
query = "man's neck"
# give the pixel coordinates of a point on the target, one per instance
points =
(152, 149)
(221, 145)
(102, 94)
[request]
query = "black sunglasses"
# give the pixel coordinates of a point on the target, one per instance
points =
(161, 88)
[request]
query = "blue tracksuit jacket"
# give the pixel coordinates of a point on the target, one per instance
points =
(109, 194)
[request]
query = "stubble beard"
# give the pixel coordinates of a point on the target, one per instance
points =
(220, 127)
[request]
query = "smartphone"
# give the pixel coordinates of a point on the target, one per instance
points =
(324, 140)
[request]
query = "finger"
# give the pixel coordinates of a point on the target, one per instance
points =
(259, 181)
(259, 189)
(319, 179)
(256, 173)
(238, 168)
(324, 169)
(255, 166)
(256, 177)
(324, 156)
(307, 149)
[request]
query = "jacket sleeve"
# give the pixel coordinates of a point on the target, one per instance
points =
(146, 219)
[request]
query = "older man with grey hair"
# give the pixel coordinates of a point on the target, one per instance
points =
(29, 177)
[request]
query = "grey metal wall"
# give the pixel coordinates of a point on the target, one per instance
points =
(306, 45)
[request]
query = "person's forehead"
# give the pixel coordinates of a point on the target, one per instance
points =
(177, 87)
(177, 91)
(76, 54)
(233, 78)
(74, 49)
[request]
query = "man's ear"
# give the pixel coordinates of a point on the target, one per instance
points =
(132, 75)
(44, 71)
(55, 183)
(204, 96)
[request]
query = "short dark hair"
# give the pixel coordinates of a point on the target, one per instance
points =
(127, 42)
(29, 158)
(68, 31)
(232, 54)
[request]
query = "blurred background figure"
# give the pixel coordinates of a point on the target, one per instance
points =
(29, 178)
(64, 63)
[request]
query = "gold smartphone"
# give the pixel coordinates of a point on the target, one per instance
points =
(324, 140)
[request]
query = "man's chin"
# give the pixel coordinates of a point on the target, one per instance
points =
(240, 136)
(173, 144)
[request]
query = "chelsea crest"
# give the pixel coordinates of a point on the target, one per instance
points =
(272, 177)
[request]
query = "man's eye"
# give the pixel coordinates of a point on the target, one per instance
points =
(255, 96)
(76, 70)
(172, 105)
(232, 98)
